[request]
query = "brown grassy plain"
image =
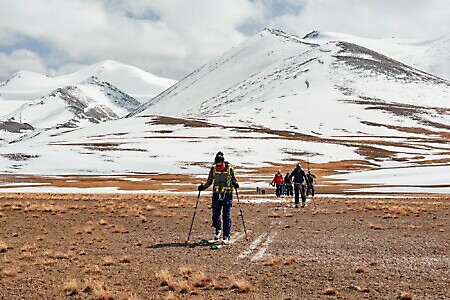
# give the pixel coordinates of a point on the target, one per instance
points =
(132, 246)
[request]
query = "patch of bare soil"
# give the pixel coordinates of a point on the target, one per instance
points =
(132, 246)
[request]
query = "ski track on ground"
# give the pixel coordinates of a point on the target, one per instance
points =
(261, 243)
(236, 236)
(252, 246)
(263, 248)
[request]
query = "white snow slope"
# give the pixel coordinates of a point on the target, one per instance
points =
(27, 86)
(91, 101)
(432, 56)
(278, 99)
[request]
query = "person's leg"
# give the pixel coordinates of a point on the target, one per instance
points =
(296, 190)
(312, 190)
(216, 207)
(303, 195)
(278, 192)
(226, 215)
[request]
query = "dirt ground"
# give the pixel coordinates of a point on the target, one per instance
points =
(132, 246)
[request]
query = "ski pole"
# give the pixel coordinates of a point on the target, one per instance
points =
(193, 217)
(242, 215)
(314, 201)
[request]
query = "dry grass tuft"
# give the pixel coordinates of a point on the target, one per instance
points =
(361, 269)
(185, 271)
(241, 285)
(72, 287)
(184, 286)
(108, 261)
(271, 261)
(166, 279)
(274, 215)
(377, 226)
(11, 272)
(330, 291)
(289, 261)
(125, 259)
(150, 207)
(92, 269)
(120, 229)
(218, 285)
(171, 296)
(130, 297)
(101, 292)
(3, 247)
(89, 285)
(102, 222)
(406, 296)
(200, 279)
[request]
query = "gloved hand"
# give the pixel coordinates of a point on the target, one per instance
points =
(235, 185)
(201, 187)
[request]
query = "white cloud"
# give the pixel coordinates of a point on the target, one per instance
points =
(182, 36)
(21, 59)
(382, 18)
(173, 37)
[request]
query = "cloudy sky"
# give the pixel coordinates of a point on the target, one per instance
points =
(171, 38)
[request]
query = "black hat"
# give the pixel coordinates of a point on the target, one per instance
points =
(219, 158)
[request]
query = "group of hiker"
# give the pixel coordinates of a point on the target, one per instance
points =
(298, 182)
(222, 178)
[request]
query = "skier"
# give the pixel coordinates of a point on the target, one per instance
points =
(288, 185)
(222, 175)
(278, 182)
(299, 184)
(310, 183)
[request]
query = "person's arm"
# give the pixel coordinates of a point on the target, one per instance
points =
(233, 178)
(210, 179)
(306, 177)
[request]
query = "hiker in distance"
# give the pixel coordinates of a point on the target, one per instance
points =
(299, 184)
(221, 176)
(288, 188)
(310, 183)
(278, 182)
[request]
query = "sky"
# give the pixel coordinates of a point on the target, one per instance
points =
(171, 38)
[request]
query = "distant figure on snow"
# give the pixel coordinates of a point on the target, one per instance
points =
(278, 182)
(221, 175)
(288, 188)
(299, 184)
(310, 183)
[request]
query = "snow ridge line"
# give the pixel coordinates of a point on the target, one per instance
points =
(252, 246)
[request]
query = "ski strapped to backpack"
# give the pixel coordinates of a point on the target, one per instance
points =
(228, 188)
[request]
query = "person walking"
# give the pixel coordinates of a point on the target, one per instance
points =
(310, 183)
(289, 189)
(299, 184)
(278, 182)
(221, 176)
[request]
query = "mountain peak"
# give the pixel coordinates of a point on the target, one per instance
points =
(312, 34)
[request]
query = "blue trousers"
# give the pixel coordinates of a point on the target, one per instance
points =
(222, 203)
(299, 189)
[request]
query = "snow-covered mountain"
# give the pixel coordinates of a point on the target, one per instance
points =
(327, 89)
(141, 85)
(26, 86)
(91, 101)
(104, 91)
(431, 56)
(274, 99)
